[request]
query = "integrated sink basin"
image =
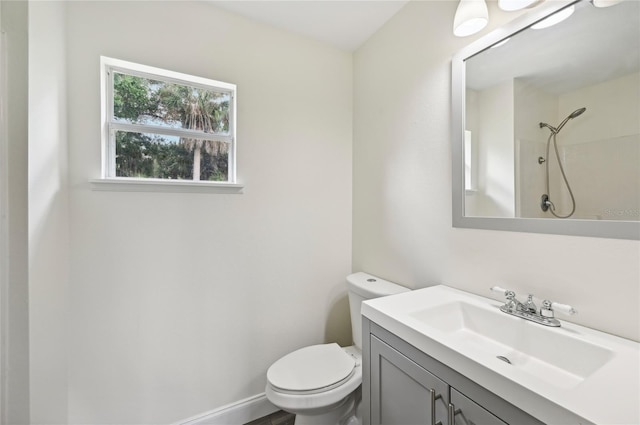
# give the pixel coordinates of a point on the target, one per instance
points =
(542, 352)
(560, 375)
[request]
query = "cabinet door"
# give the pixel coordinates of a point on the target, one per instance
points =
(402, 392)
(466, 412)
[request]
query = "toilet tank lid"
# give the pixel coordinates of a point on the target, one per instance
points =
(369, 286)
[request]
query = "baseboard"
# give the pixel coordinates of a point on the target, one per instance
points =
(237, 413)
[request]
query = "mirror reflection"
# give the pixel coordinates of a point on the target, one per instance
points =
(552, 120)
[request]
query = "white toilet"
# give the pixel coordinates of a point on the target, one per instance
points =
(320, 384)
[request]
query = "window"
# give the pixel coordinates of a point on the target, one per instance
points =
(160, 124)
(469, 164)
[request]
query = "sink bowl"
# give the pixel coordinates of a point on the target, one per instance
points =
(541, 352)
(569, 374)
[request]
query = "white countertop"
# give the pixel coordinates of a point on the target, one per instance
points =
(609, 394)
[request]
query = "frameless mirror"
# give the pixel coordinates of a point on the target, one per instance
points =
(546, 124)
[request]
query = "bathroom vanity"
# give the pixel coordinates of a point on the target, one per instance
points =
(443, 356)
(408, 386)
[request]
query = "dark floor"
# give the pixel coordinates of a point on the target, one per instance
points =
(278, 418)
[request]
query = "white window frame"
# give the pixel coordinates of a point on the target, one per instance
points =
(470, 161)
(109, 127)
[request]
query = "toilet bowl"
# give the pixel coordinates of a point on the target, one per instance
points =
(320, 384)
(315, 381)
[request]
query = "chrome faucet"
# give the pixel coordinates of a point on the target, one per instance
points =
(529, 311)
(529, 306)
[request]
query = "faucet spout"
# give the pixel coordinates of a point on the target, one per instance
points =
(529, 306)
(529, 311)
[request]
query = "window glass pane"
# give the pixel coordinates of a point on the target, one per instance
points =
(145, 101)
(143, 155)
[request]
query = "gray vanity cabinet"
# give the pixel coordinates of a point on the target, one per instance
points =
(404, 386)
(467, 412)
(405, 392)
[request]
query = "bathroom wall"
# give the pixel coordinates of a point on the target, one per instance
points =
(177, 303)
(48, 213)
(492, 112)
(14, 297)
(601, 149)
(532, 106)
(402, 188)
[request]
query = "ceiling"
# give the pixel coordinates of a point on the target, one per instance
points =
(345, 24)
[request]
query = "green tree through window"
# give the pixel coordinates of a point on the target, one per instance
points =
(164, 129)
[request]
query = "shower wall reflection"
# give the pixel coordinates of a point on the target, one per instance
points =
(600, 149)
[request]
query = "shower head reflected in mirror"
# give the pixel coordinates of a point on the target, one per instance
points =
(556, 130)
(545, 202)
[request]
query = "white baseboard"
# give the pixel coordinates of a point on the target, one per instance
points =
(237, 413)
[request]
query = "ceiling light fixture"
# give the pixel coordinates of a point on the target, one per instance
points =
(556, 18)
(471, 17)
(605, 3)
(501, 43)
(511, 5)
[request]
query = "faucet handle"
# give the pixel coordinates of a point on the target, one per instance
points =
(499, 290)
(511, 304)
(548, 307)
(563, 308)
(510, 295)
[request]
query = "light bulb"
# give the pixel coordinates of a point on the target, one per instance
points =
(471, 17)
(556, 18)
(501, 43)
(605, 3)
(510, 5)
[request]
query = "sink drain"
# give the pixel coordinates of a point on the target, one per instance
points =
(504, 359)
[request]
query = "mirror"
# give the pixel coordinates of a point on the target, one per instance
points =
(546, 124)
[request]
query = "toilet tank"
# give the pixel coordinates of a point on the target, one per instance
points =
(363, 286)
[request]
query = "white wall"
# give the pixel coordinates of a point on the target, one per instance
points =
(48, 213)
(601, 149)
(532, 106)
(613, 108)
(179, 302)
(492, 113)
(402, 189)
(14, 297)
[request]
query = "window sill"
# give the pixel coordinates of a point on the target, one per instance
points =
(157, 185)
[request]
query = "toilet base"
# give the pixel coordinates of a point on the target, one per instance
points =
(346, 413)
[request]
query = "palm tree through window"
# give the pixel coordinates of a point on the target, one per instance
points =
(164, 125)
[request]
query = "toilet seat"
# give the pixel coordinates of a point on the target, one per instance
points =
(321, 401)
(312, 370)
